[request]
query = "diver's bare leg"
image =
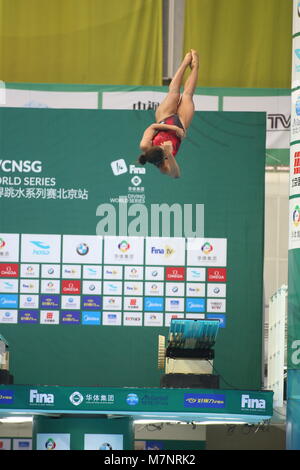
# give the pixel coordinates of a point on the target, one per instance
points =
(186, 107)
(170, 104)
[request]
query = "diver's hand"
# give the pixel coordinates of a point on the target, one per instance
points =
(180, 133)
(167, 146)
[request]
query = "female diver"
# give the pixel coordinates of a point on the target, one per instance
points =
(161, 140)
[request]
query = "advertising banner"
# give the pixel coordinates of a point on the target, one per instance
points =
(92, 244)
(134, 401)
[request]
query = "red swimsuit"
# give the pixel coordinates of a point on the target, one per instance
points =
(164, 136)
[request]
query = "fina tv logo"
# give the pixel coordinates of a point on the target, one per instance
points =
(167, 251)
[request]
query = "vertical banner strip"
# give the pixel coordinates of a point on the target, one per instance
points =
(293, 346)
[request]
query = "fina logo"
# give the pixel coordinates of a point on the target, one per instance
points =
(252, 403)
(41, 398)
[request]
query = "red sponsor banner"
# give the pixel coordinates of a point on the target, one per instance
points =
(216, 274)
(175, 274)
(70, 287)
(9, 270)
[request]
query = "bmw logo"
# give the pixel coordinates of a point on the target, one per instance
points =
(82, 249)
(105, 446)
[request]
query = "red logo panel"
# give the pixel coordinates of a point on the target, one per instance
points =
(70, 287)
(216, 274)
(175, 274)
(9, 270)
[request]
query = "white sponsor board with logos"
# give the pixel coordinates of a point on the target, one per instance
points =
(216, 290)
(132, 318)
(195, 274)
(154, 288)
(124, 250)
(134, 273)
(70, 271)
(50, 99)
(169, 316)
(165, 251)
(92, 272)
(86, 249)
(216, 306)
(50, 286)
(153, 319)
(9, 285)
(8, 316)
(106, 442)
(29, 301)
(112, 272)
(175, 289)
(111, 318)
(30, 286)
(49, 317)
(112, 287)
(174, 304)
(154, 273)
(51, 270)
(207, 251)
(296, 16)
(294, 223)
(53, 441)
(133, 288)
(143, 100)
(295, 115)
(295, 169)
(70, 302)
(30, 270)
(296, 62)
(9, 247)
(278, 109)
(112, 303)
(40, 248)
(92, 287)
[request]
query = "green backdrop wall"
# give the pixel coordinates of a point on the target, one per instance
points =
(222, 163)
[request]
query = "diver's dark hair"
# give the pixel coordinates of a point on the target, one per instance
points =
(154, 155)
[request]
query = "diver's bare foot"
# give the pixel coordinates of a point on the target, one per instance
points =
(187, 58)
(195, 59)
